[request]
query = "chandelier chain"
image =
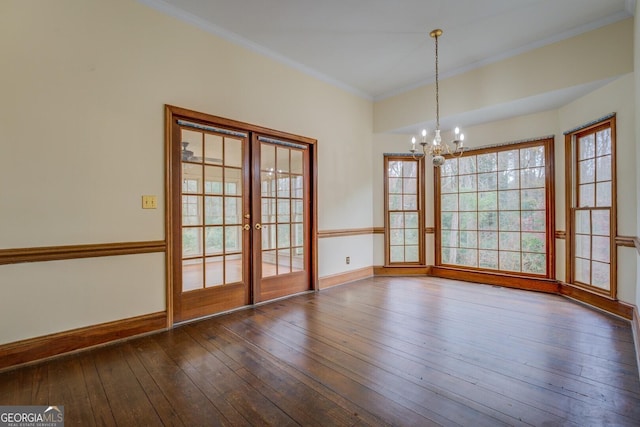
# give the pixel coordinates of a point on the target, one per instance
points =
(437, 88)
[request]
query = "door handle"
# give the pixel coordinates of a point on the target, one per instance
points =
(258, 226)
(247, 227)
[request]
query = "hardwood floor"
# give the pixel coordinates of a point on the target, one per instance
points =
(379, 351)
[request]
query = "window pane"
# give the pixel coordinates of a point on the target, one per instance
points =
(395, 185)
(488, 259)
(533, 242)
(487, 181)
(508, 160)
(531, 157)
(488, 220)
(509, 200)
(396, 254)
(601, 275)
(468, 221)
(601, 224)
(214, 269)
(213, 149)
(449, 168)
(411, 219)
(449, 184)
(467, 183)
(582, 270)
(395, 202)
(214, 243)
(603, 168)
(449, 238)
(410, 186)
(603, 194)
(467, 165)
(468, 202)
(587, 169)
(468, 257)
(587, 195)
(449, 202)
(586, 147)
(583, 246)
(410, 169)
(533, 199)
(488, 240)
(583, 222)
(533, 221)
(411, 236)
(488, 162)
(395, 169)
(509, 241)
(601, 249)
(449, 220)
(509, 221)
(468, 239)
(532, 178)
(508, 180)
(488, 201)
(396, 237)
(411, 254)
(603, 142)
(510, 261)
(396, 220)
(534, 263)
(410, 203)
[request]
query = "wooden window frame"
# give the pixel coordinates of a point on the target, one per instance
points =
(543, 282)
(571, 194)
(421, 206)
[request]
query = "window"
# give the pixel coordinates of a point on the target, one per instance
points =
(493, 210)
(591, 192)
(404, 221)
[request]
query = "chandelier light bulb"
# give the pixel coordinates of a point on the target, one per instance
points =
(456, 130)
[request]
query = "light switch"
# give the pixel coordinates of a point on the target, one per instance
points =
(149, 202)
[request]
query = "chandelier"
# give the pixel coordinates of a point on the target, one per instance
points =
(437, 149)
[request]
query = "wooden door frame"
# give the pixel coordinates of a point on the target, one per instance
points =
(172, 210)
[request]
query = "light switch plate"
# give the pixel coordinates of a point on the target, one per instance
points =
(149, 202)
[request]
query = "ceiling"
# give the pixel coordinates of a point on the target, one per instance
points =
(379, 48)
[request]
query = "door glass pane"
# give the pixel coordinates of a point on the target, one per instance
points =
(191, 241)
(213, 210)
(192, 274)
(213, 149)
(213, 180)
(282, 160)
(214, 242)
(214, 271)
(233, 268)
(296, 162)
(269, 266)
(232, 152)
(191, 145)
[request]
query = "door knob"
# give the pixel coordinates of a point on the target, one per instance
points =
(247, 227)
(258, 226)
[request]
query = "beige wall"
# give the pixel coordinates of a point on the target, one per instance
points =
(579, 60)
(85, 82)
(84, 85)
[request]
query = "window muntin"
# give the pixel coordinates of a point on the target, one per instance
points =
(493, 210)
(404, 211)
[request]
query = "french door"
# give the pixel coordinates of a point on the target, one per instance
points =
(239, 224)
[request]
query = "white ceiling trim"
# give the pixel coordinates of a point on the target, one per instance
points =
(230, 36)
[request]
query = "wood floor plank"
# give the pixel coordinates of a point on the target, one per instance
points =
(375, 352)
